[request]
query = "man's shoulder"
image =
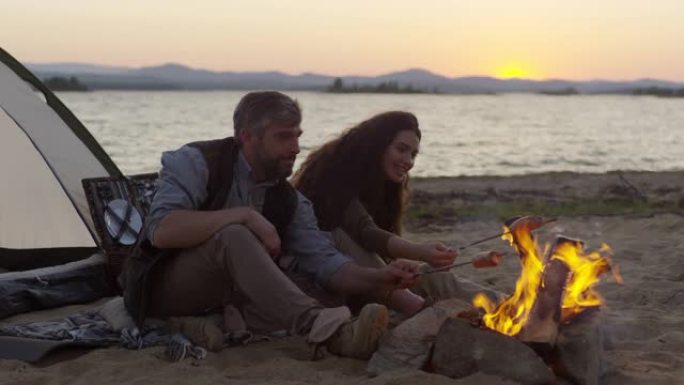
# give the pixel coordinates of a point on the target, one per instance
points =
(215, 147)
(185, 162)
(183, 154)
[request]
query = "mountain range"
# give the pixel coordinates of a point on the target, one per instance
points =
(179, 77)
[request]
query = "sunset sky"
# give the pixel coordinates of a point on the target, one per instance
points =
(538, 39)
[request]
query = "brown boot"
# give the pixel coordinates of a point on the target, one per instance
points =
(202, 331)
(359, 338)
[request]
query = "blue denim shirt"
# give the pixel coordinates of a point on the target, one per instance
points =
(182, 186)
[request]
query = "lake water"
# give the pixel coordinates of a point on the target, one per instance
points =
(462, 135)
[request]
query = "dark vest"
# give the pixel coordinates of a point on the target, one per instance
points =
(220, 156)
(280, 203)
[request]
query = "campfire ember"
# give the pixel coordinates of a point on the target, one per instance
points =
(555, 284)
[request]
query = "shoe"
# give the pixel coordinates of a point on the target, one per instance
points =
(359, 337)
(202, 331)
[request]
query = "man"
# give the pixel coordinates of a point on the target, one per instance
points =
(224, 215)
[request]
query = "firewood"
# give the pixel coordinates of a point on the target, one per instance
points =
(542, 324)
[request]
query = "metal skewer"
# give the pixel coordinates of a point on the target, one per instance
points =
(484, 240)
(458, 264)
(444, 268)
(499, 235)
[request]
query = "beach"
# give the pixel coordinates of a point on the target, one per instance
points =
(640, 215)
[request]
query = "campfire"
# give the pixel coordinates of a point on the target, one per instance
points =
(549, 330)
(550, 326)
(555, 285)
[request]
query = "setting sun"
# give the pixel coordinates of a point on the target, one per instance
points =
(513, 71)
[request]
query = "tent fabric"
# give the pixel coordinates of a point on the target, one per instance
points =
(36, 211)
(45, 153)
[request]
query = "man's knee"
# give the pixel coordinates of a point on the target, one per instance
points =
(234, 233)
(238, 238)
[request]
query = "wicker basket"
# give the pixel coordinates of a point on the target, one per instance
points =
(137, 190)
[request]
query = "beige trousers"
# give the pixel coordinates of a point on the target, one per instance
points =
(437, 286)
(231, 268)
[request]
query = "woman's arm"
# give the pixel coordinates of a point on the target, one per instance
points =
(362, 229)
(359, 225)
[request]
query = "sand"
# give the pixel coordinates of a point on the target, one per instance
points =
(644, 316)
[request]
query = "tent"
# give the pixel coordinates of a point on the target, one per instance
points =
(46, 230)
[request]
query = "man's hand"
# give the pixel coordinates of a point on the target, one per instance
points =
(436, 254)
(401, 273)
(265, 231)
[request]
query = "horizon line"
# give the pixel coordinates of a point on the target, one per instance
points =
(351, 75)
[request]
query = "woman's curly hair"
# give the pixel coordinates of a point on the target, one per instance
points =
(350, 166)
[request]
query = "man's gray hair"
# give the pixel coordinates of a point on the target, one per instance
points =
(258, 110)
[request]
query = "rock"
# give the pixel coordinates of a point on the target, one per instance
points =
(579, 349)
(408, 345)
(461, 350)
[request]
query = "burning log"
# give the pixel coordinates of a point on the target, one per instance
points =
(545, 317)
(542, 324)
(509, 316)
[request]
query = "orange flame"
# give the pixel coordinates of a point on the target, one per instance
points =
(511, 314)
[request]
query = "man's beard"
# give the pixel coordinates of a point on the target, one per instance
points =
(274, 168)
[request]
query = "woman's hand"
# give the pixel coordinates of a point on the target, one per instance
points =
(265, 231)
(435, 254)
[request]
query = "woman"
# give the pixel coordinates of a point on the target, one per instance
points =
(358, 184)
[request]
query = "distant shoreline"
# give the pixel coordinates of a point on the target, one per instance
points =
(177, 77)
(65, 84)
(362, 92)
